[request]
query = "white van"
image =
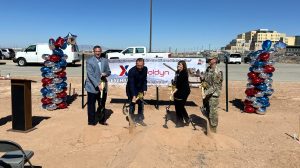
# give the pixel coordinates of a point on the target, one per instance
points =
(33, 54)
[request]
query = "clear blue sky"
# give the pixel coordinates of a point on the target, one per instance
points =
(181, 24)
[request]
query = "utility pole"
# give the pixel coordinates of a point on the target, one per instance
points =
(150, 42)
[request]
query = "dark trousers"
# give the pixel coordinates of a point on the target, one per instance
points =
(140, 109)
(104, 97)
(180, 110)
(92, 98)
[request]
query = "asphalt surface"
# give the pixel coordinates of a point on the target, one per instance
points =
(236, 72)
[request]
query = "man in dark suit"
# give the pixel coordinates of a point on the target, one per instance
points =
(96, 68)
(136, 88)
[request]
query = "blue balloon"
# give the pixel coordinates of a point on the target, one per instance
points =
(266, 45)
(262, 87)
(62, 85)
(64, 79)
(259, 63)
(279, 46)
(251, 69)
(58, 52)
(45, 69)
(64, 46)
(261, 110)
(62, 63)
(45, 91)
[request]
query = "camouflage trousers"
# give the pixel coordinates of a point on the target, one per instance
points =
(211, 109)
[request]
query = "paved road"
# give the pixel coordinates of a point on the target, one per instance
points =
(237, 72)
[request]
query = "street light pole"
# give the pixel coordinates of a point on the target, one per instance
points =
(150, 43)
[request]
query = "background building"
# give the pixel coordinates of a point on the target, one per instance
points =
(253, 40)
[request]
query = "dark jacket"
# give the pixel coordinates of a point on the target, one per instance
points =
(137, 81)
(182, 85)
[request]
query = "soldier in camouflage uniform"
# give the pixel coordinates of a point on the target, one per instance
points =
(212, 85)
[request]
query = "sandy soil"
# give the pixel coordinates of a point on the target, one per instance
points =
(63, 138)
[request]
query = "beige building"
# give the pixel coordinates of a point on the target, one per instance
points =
(253, 40)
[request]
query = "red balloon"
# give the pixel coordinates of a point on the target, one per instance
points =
(252, 75)
(61, 94)
(256, 81)
(62, 105)
(54, 58)
(251, 92)
(264, 56)
(59, 42)
(249, 109)
(46, 100)
(46, 81)
(269, 69)
(61, 74)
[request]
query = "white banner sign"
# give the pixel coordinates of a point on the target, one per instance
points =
(160, 71)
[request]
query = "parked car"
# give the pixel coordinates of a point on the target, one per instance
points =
(7, 53)
(247, 58)
(33, 54)
(137, 52)
(104, 54)
(235, 58)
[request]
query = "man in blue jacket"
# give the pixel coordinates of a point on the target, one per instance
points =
(97, 68)
(136, 88)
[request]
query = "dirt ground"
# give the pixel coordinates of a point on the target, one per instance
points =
(63, 138)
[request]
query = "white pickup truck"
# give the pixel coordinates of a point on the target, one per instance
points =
(136, 52)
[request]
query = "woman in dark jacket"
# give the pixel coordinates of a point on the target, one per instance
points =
(181, 94)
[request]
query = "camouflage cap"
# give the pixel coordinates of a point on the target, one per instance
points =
(212, 55)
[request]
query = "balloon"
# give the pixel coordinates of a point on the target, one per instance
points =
(62, 63)
(259, 94)
(57, 90)
(49, 64)
(264, 56)
(257, 81)
(249, 85)
(63, 85)
(256, 104)
(252, 75)
(269, 69)
(269, 92)
(57, 80)
(264, 75)
(250, 98)
(61, 74)
(268, 81)
(45, 91)
(58, 52)
(46, 100)
(280, 47)
(262, 99)
(71, 39)
(51, 44)
(46, 81)
(56, 69)
(266, 45)
(249, 109)
(57, 100)
(65, 45)
(65, 57)
(259, 63)
(61, 94)
(45, 56)
(51, 95)
(45, 69)
(54, 58)
(51, 86)
(49, 75)
(251, 92)
(258, 70)
(251, 69)
(59, 42)
(51, 107)
(62, 105)
(262, 87)
(261, 110)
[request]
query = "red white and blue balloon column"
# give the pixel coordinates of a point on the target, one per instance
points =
(259, 87)
(54, 75)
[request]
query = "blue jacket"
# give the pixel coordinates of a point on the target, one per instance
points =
(137, 81)
(93, 78)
